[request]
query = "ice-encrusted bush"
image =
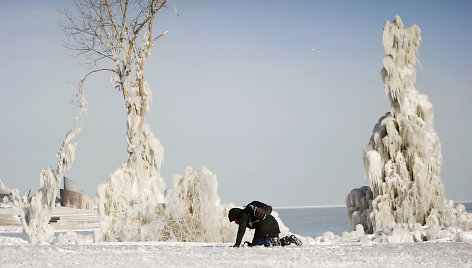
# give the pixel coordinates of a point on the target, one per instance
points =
(403, 158)
(190, 212)
(193, 210)
(36, 211)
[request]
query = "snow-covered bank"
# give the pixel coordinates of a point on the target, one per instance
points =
(167, 254)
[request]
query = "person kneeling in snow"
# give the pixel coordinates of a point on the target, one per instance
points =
(256, 215)
(267, 230)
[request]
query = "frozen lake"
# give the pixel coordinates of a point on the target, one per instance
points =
(314, 221)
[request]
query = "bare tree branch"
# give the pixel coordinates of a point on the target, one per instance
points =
(110, 15)
(159, 36)
(95, 71)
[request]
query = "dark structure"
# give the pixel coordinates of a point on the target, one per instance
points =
(72, 196)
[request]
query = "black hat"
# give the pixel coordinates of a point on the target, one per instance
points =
(233, 213)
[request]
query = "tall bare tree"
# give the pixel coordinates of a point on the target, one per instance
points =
(117, 36)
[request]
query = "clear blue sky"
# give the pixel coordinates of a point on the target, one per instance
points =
(237, 87)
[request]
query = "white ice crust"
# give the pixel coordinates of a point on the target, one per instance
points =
(405, 199)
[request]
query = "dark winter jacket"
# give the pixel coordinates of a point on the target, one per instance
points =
(266, 228)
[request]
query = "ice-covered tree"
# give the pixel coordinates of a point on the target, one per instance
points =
(403, 158)
(118, 36)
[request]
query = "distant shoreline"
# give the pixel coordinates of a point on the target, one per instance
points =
(339, 206)
(299, 207)
(462, 202)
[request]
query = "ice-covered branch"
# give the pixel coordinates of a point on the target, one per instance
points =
(35, 211)
(80, 99)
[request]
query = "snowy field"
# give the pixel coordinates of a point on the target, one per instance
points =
(161, 254)
(72, 250)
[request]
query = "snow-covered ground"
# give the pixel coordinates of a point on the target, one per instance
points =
(71, 249)
(170, 254)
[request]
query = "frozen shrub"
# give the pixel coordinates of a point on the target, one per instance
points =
(193, 209)
(36, 211)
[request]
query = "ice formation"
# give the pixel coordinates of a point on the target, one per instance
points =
(193, 210)
(132, 198)
(403, 158)
(36, 211)
(359, 206)
(190, 212)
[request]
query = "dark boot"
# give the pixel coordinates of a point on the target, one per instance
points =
(284, 241)
(295, 240)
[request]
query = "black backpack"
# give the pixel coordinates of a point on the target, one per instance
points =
(257, 211)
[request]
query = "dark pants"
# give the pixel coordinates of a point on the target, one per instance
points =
(263, 241)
